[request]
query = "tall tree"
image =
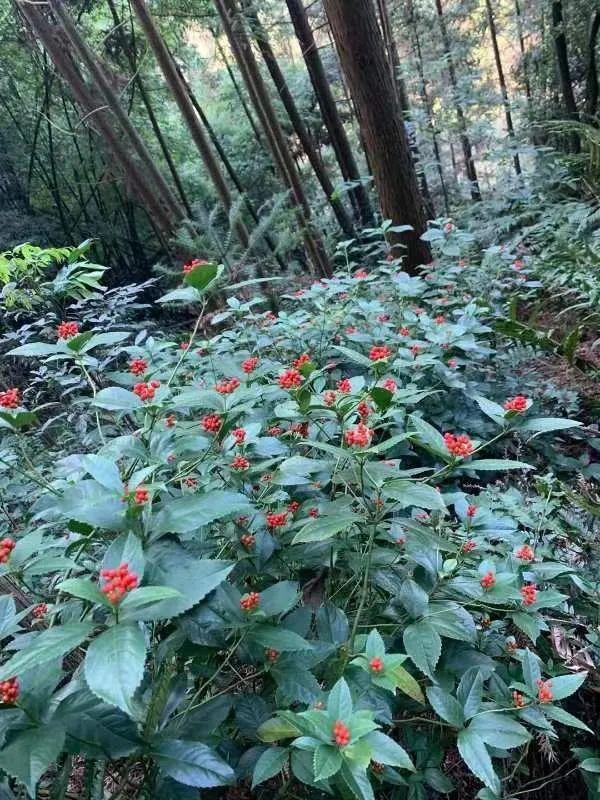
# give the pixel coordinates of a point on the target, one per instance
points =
(524, 58)
(300, 129)
(502, 82)
(591, 82)
(564, 70)
(360, 47)
(465, 141)
(242, 50)
(188, 112)
(326, 100)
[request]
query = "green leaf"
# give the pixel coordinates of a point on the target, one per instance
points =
(352, 355)
(322, 528)
(475, 755)
(410, 493)
(192, 763)
(275, 729)
(269, 764)
(34, 349)
(47, 646)
(546, 424)
(470, 692)
(382, 397)
(491, 409)
(76, 343)
(387, 751)
(357, 781)
(125, 549)
(104, 471)
(445, 706)
(115, 398)
(566, 685)
(187, 514)
(327, 760)
(139, 604)
(187, 294)
(375, 645)
(495, 464)
(19, 419)
(531, 670)
(530, 624)
(202, 276)
(84, 589)
(279, 598)
(30, 753)
(407, 684)
(277, 638)
(560, 715)
(423, 645)
(499, 730)
(590, 764)
(414, 599)
(114, 664)
(339, 703)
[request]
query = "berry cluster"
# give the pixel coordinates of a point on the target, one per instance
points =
(227, 386)
(361, 274)
(138, 366)
(118, 582)
(40, 610)
(146, 391)
(240, 463)
(440, 319)
(488, 580)
(290, 379)
(376, 665)
(415, 349)
(460, 446)
(313, 512)
(404, 331)
(239, 434)
(271, 655)
(350, 329)
(276, 519)
(170, 421)
(390, 384)
(9, 691)
(379, 352)
(544, 691)
(468, 546)
(293, 506)
(6, 547)
(329, 398)
(141, 496)
(211, 423)
(471, 511)
(518, 700)
(248, 540)
(341, 734)
(359, 436)
(525, 553)
(191, 482)
(303, 359)
(249, 365)
(275, 430)
(344, 385)
(67, 330)
(9, 398)
(529, 594)
(363, 410)
(517, 404)
(250, 602)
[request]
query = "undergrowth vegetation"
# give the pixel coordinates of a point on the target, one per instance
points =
(336, 550)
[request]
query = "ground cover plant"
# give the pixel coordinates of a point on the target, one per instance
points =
(320, 553)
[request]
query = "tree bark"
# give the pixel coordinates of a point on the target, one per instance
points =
(460, 115)
(562, 59)
(360, 46)
(524, 64)
(331, 118)
(298, 125)
(95, 115)
(242, 50)
(591, 82)
(182, 99)
(502, 81)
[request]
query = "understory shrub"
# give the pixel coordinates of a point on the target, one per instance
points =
(309, 555)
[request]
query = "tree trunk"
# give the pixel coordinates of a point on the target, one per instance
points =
(460, 116)
(524, 64)
(360, 46)
(331, 118)
(502, 82)
(139, 147)
(187, 110)
(428, 106)
(591, 82)
(242, 50)
(298, 125)
(402, 96)
(564, 71)
(94, 115)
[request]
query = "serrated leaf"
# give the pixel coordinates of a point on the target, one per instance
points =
(114, 664)
(322, 528)
(140, 604)
(386, 751)
(470, 692)
(566, 685)
(104, 471)
(277, 638)
(499, 730)
(424, 646)
(412, 494)
(84, 590)
(192, 763)
(275, 729)
(475, 755)
(187, 514)
(445, 706)
(495, 464)
(47, 646)
(30, 753)
(269, 764)
(327, 760)
(339, 702)
(115, 398)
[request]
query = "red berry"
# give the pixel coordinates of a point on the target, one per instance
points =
(379, 353)
(67, 330)
(525, 553)
(488, 580)
(138, 366)
(250, 602)
(211, 423)
(290, 379)
(9, 398)
(544, 691)
(341, 734)
(459, 446)
(249, 365)
(517, 404)
(376, 665)
(359, 436)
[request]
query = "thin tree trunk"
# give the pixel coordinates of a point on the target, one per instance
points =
(164, 191)
(524, 64)
(502, 82)
(242, 50)
(331, 118)
(130, 55)
(187, 110)
(298, 125)
(428, 106)
(94, 115)
(591, 83)
(360, 47)
(564, 71)
(460, 115)
(393, 60)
